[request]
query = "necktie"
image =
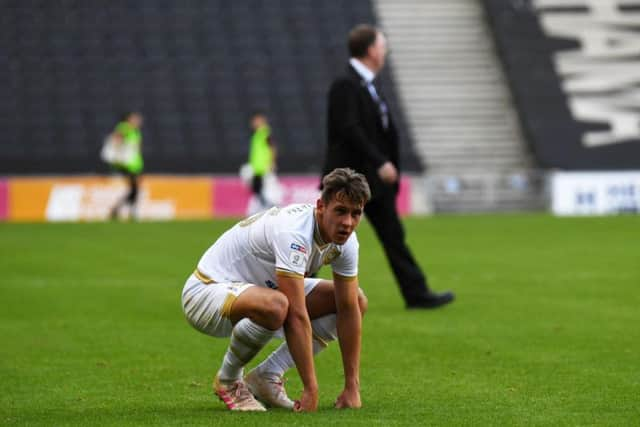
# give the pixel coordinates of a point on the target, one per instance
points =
(382, 106)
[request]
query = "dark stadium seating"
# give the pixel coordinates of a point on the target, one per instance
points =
(195, 68)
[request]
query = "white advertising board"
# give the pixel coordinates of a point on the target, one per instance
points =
(595, 193)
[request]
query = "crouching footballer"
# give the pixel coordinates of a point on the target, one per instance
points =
(254, 283)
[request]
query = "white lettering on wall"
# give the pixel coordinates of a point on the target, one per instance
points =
(80, 202)
(602, 77)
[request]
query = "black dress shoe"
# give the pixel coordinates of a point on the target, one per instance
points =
(431, 300)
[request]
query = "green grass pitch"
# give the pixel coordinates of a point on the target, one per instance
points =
(545, 330)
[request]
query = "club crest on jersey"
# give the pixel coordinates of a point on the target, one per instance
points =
(299, 248)
(331, 254)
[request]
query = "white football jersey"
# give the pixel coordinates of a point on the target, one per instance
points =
(284, 240)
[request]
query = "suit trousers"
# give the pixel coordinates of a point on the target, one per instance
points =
(383, 216)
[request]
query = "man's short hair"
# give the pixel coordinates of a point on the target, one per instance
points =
(345, 183)
(257, 112)
(128, 114)
(361, 38)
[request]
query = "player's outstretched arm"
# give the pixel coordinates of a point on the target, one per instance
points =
(297, 328)
(349, 325)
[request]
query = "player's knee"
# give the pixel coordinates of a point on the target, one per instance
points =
(277, 307)
(363, 302)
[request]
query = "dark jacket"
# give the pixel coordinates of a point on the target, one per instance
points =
(356, 136)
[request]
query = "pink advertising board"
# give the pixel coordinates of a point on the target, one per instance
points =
(231, 195)
(403, 201)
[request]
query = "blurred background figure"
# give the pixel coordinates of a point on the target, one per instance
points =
(362, 136)
(128, 136)
(262, 160)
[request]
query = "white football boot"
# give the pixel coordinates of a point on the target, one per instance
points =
(269, 389)
(236, 395)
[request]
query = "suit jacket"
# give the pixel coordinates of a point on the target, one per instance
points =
(356, 136)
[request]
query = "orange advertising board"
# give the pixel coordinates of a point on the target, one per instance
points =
(90, 198)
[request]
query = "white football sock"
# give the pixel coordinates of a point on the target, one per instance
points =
(247, 339)
(278, 362)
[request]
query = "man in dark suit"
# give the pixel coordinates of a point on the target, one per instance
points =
(362, 136)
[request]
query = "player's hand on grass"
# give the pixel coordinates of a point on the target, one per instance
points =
(308, 402)
(349, 398)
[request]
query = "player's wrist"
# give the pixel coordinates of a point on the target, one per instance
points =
(352, 385)
(311, 388)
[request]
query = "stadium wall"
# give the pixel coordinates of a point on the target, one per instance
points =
(162, 197)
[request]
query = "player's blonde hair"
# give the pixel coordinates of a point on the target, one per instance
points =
(345, 183)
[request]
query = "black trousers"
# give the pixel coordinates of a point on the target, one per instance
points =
(383, 216)
(131, 197)
(132, 179)
(257, 184)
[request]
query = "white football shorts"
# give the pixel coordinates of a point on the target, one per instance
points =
(207, 307)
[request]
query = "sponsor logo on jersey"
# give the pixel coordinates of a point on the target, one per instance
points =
(299, 248)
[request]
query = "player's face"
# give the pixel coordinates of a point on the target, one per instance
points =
(136, 120)
(257, 121)
(338, 219)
